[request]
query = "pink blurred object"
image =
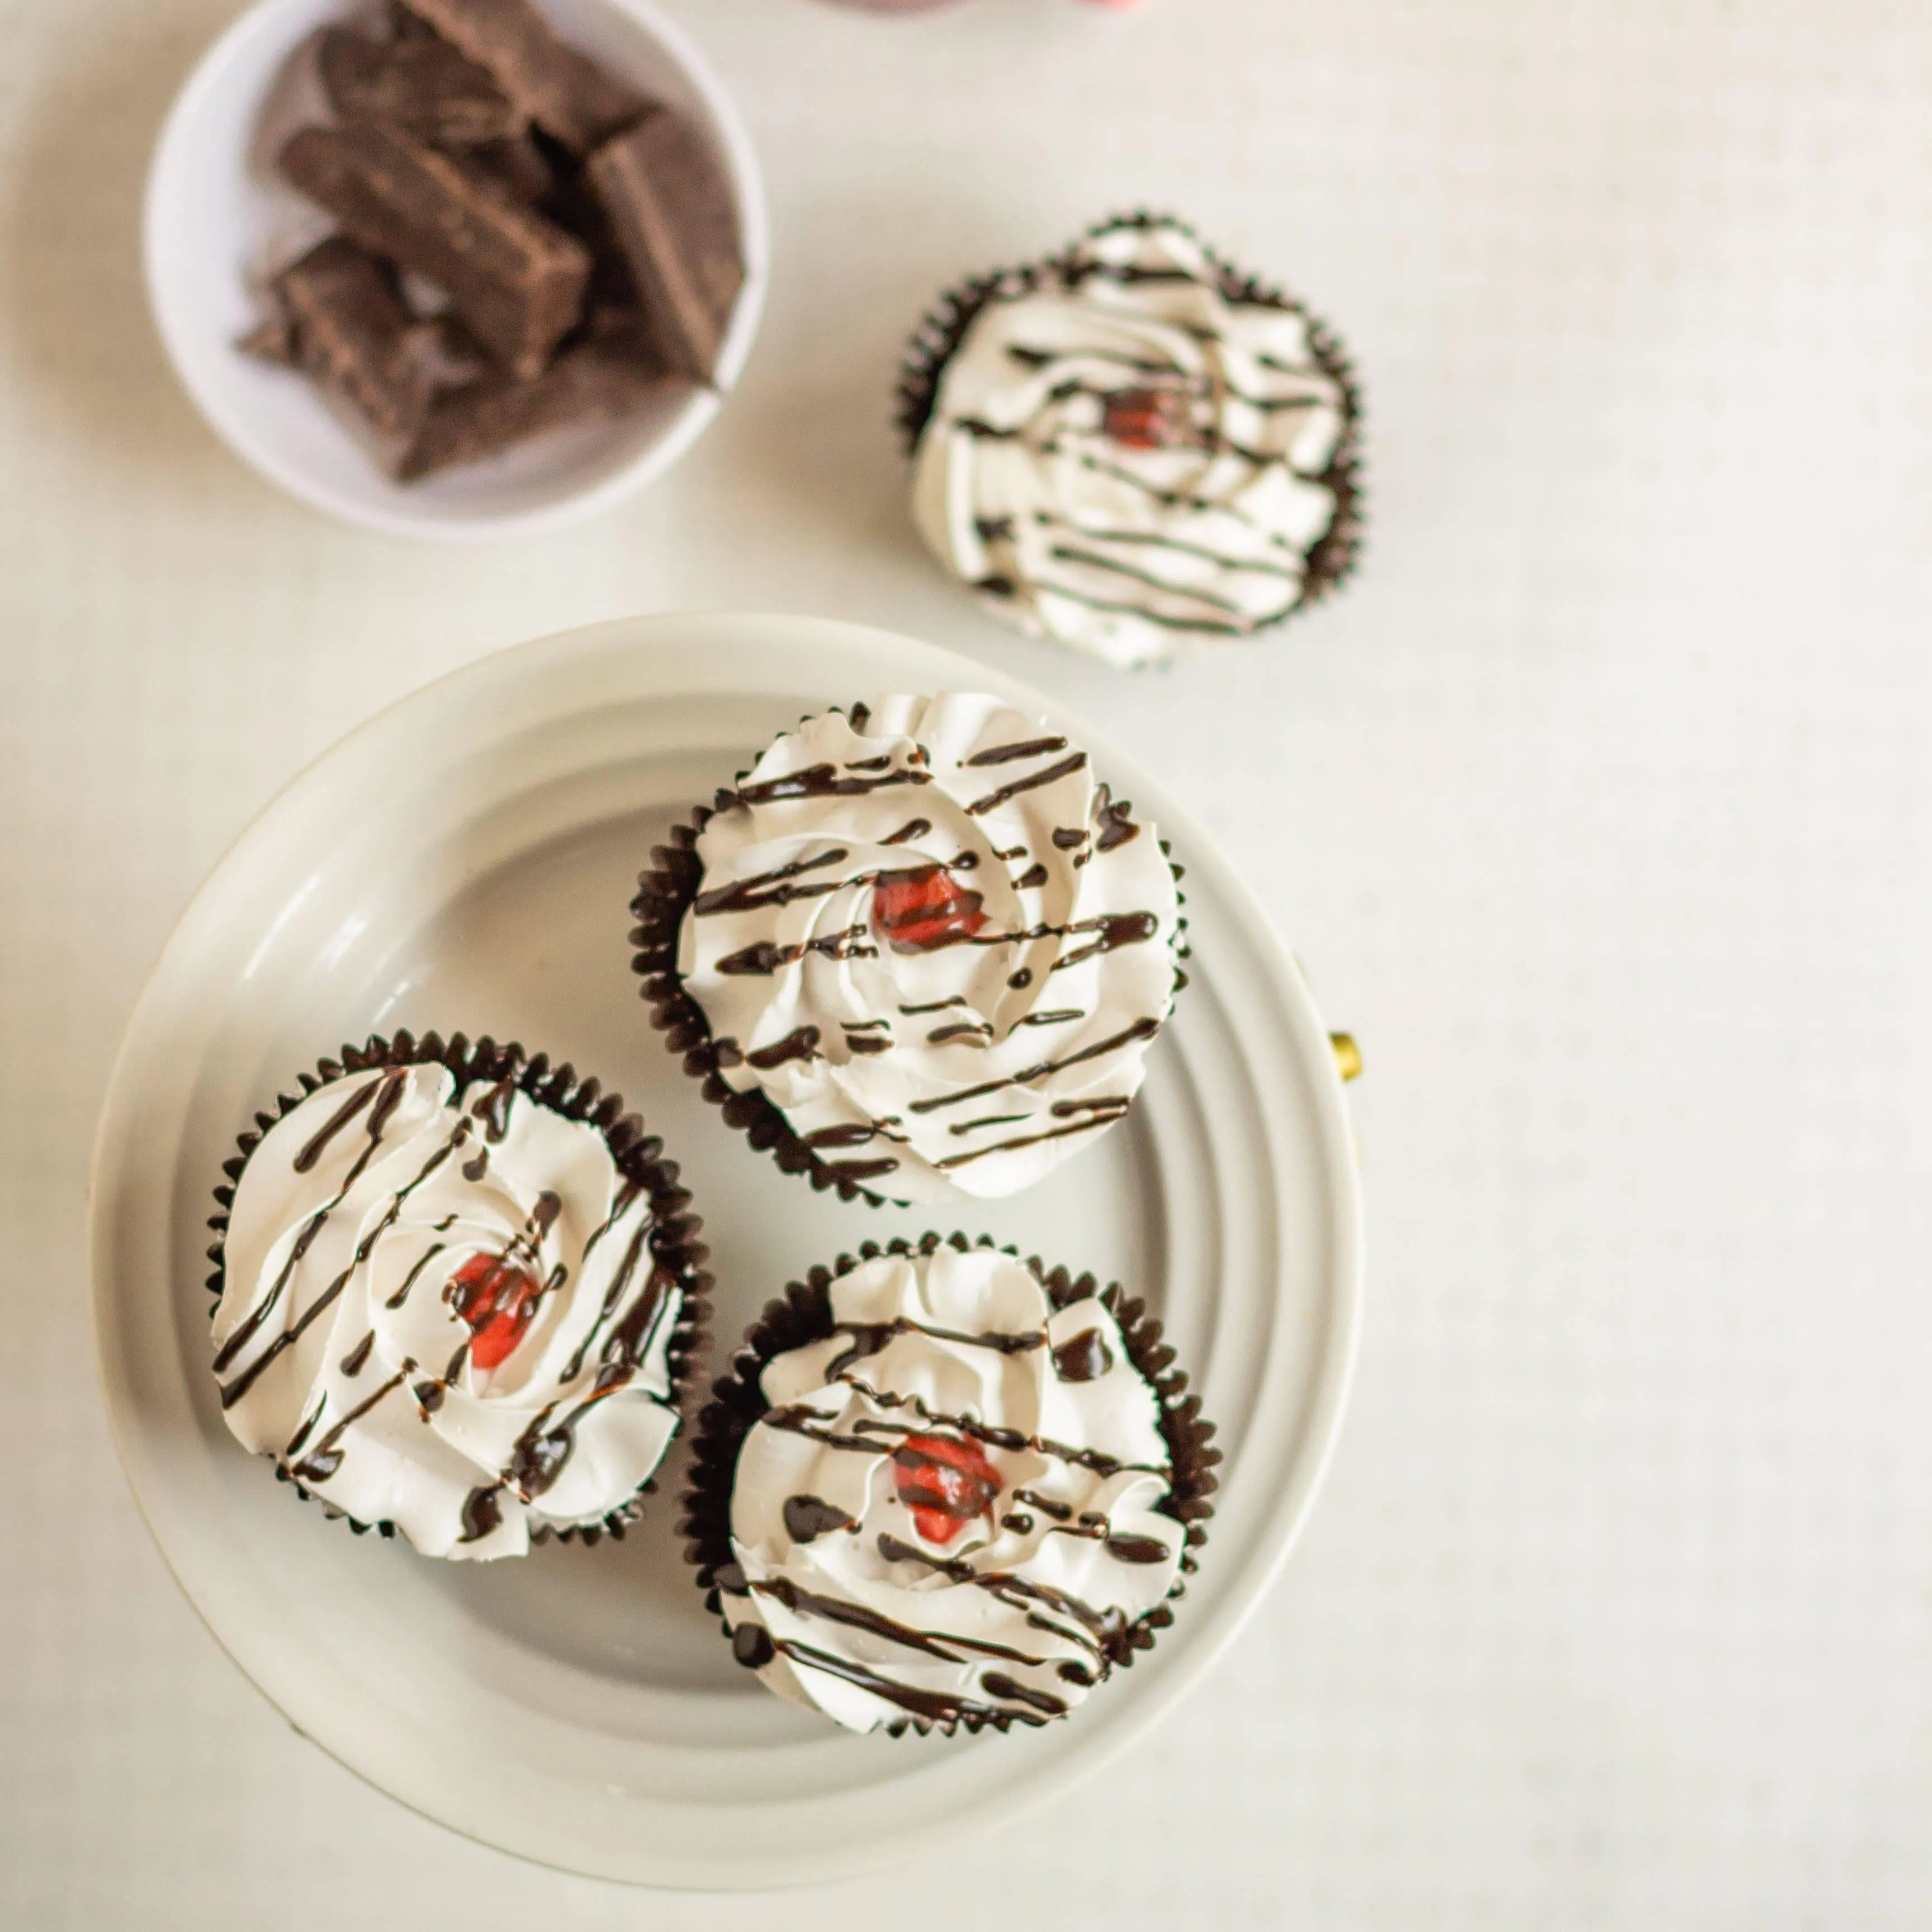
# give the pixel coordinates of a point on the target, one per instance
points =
(920, 6)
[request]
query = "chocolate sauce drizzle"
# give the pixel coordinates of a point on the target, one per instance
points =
(778, 884)
(868, 1338)
(1084, 1357)
(542, 1451)
(250, 1325)
(799, 1419)
(807, 1518)
(822, 781)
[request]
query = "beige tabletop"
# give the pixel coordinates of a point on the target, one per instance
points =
(1598, 807)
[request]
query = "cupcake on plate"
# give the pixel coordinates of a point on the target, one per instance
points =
(919, 952)
(1132, 449)
(944, 1488)
(457, 1293)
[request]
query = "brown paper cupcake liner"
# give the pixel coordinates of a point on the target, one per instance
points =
(1333, 559)
(665, 891)
(639, 1156)
(803, 1314)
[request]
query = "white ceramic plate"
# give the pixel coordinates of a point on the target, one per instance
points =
(219, 219)
(464, 861)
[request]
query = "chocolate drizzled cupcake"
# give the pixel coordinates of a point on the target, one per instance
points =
(457, 1293)
(1131, 447)
(919, 952)
(942, 1487)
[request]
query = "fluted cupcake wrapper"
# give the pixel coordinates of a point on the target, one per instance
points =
(639, 1158)
(1332, 560)
(665, 892)
(804, 1314)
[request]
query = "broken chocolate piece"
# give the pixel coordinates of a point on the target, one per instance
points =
(272, 340)
(671, 210)
(517, 164)
(515, 278)
(567, 94)
(349, 326)
(423, 86)
(591, 383)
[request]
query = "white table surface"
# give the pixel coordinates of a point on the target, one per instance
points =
(1598, 807)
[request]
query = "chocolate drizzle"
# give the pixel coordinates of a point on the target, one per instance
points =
(872, 1434)
(1005, 755)
(232, 1391)
(807, 1518)
(326, 1458)
(1144, 1029)
(823, 782)
(1072, 402)
(497, 1076)
(997, 1683)
(800, 1044)
(1084, 1357)
(1076, 761)
(482, 1512)
(868, 1338)
(1031, 1687)
(946, 1646)
(930, 1705)
(770, 888)
(920, 908)
(428, 1254)
(389, 1086)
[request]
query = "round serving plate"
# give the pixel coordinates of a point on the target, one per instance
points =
(464, 861)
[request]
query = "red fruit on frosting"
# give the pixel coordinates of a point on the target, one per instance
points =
(945, 1482)
(497, 1299)
(1148, 418)
(923, 908)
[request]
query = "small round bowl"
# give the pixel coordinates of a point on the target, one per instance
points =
(218, 219)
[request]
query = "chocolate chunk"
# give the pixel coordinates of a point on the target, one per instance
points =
(348, 324)
(517, 165)
(670, 211)
(270, 341)
(515, 278)
(423, 86)
(566, 95)
(591, 383)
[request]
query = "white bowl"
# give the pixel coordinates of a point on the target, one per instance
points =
(218, 219)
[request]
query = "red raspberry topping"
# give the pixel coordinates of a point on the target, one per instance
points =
(946, 1483)
(1148, 418)
(923, 908)
(497, 1299)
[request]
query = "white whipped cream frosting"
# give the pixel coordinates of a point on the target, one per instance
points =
(966, 1057)
(1035, 479)
(366, 1220)
(847, 1597)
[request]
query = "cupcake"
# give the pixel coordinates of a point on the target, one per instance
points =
(1131, 449)
(456, 1291)
(919, 952)
(942, 1488)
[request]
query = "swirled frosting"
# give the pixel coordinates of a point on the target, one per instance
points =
(952, 1508)
(936, 942)
(1126, 455)
(447, 1311)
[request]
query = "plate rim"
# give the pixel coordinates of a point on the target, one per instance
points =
(1213, 1627)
